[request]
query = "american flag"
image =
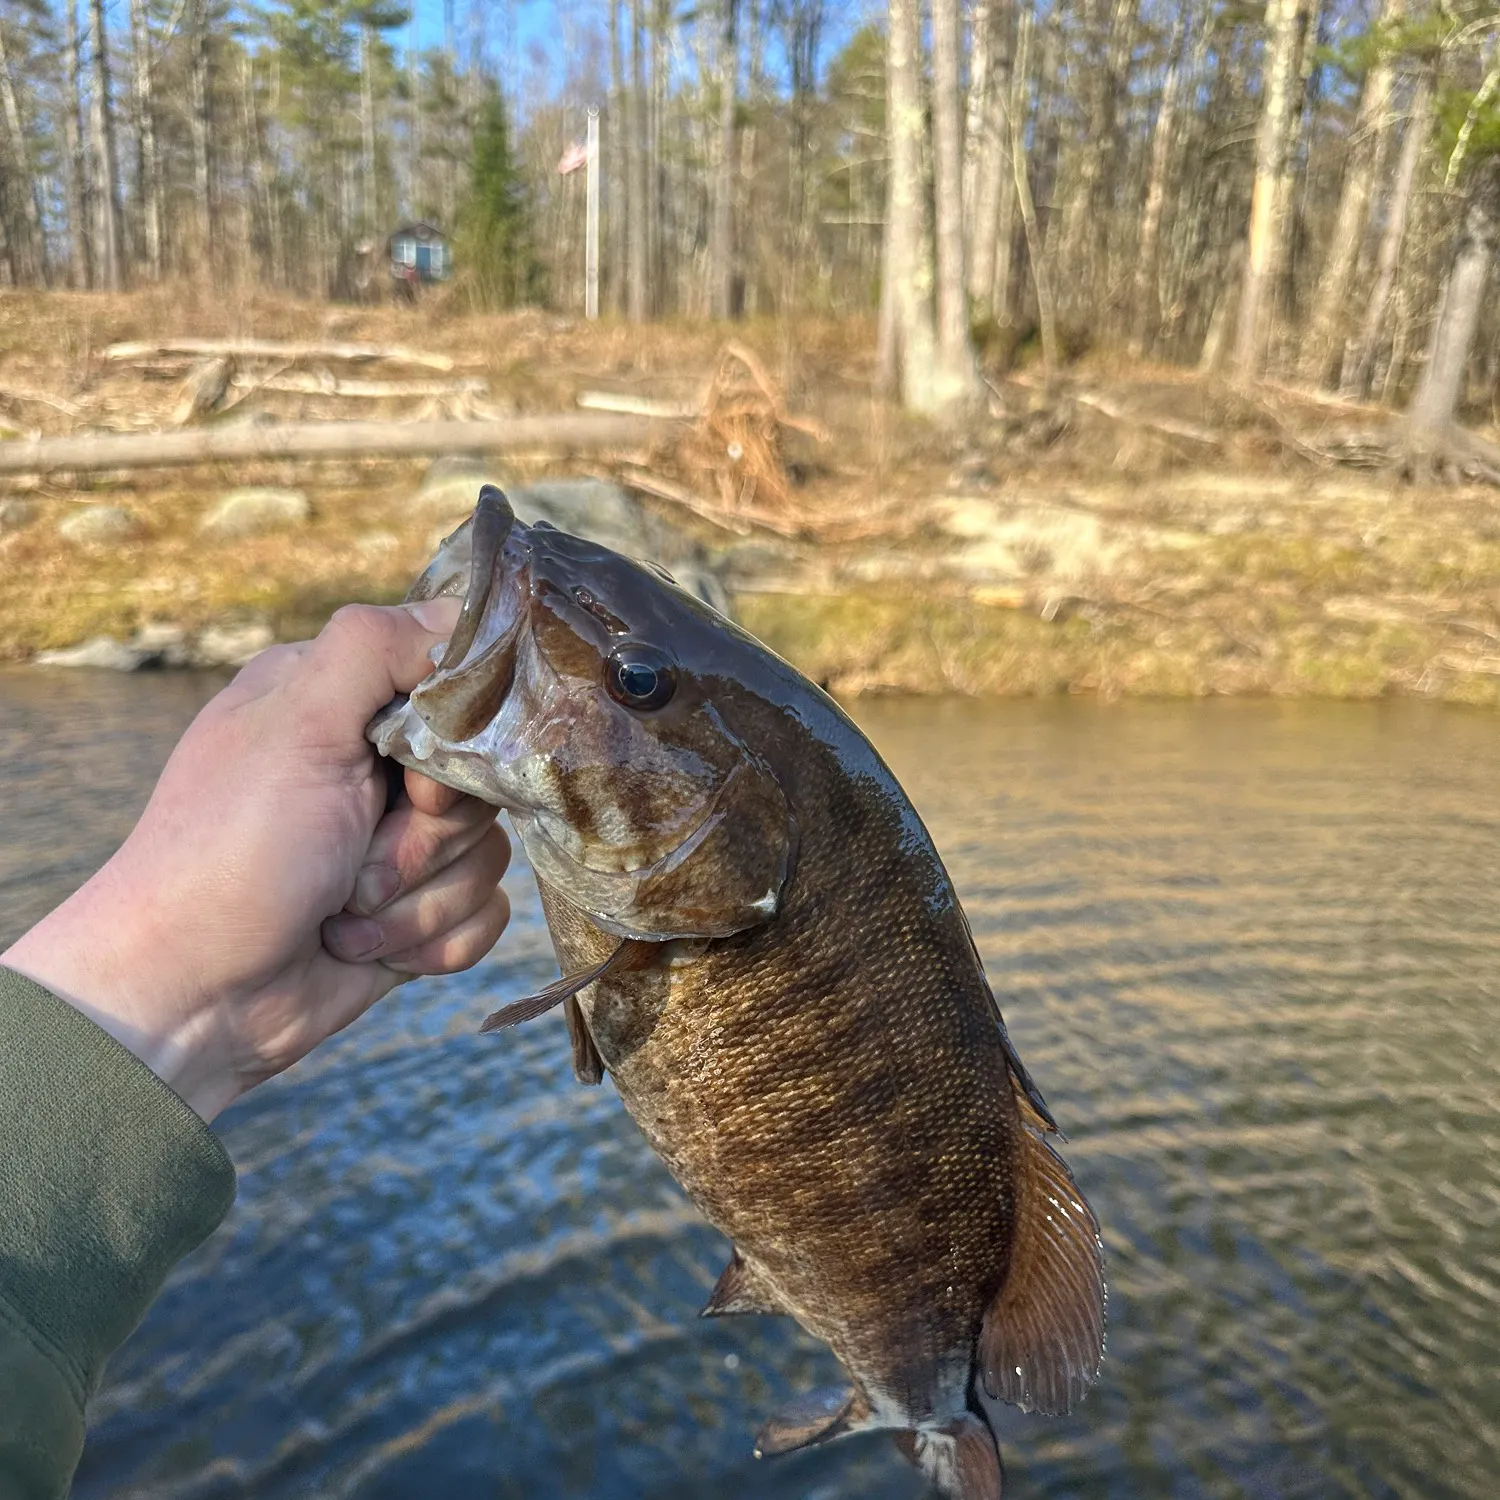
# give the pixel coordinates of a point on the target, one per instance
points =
(576, 156)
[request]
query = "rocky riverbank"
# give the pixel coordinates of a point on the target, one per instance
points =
(1119, 531)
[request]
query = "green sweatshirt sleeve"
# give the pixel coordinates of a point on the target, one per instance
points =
(107, 1179)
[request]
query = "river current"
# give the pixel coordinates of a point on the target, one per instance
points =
(1249, 950)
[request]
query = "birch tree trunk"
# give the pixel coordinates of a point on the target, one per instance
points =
(1330, 302)
(721, 239)
(959, 375)
(1359, 364)
(987, 162)
(1267, 206)
(20, 153)
(75, 168)
(1435, 404)
(1146, 310)
(107, 237)
(907, 265)
(149, 167)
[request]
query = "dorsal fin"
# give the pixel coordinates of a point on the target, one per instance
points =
(1043, 1335)
(741, 1289)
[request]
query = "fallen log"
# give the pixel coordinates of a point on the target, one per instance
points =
(637, 406)
(277, 349)
(321, 383)
(518, 436)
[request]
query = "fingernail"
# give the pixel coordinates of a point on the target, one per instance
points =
(354, 937)
(374, 886)
(437, 615)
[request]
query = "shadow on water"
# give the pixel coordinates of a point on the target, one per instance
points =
(1250, 951)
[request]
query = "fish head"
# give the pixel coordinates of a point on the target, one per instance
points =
(583, 692)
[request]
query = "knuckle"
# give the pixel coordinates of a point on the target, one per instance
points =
(357, 624)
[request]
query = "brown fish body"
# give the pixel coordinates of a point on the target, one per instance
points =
(832, 1090)
(783, 987)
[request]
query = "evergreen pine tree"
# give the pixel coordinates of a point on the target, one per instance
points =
(494, 249)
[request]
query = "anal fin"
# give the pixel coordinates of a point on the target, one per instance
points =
(741, 1289)
(1043, 1336)
(816, 1417)
(588, 1066)
(962, 1458)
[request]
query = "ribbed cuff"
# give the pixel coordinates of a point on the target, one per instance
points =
(107, 1179)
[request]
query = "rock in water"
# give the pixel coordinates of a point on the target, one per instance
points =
(253, 510)
(99, 526)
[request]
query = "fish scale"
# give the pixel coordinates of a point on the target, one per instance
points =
(762, 949)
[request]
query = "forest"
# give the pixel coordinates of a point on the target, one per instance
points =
(1306, 191)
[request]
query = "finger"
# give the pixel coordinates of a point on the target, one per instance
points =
(460, 947)
(448, 898)
(366, 654)
(431, 796)
(410, 846)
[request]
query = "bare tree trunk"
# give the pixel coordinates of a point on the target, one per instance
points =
(1330, 302)
(202, 130)
(31, 194)
(1036, 252)
(369, 212)
(959, 374)
(616, 186)
(1435, 404)
(721, 239)
(1267, 208)
(1146, 312)
(987, 164)
(413, 122)
(149, 166)
(79, 258)
(107, 247)
(1360, 362)
(907, 263)
(635, 146)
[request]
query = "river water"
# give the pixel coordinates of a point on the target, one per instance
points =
(1251, 952)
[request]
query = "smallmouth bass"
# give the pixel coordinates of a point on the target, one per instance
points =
(762, 949)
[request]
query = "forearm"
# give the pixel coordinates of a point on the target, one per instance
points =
(106, 1180)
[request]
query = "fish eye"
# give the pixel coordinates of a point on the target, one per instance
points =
(640, 677)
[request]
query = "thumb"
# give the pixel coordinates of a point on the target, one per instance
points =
(367, 653)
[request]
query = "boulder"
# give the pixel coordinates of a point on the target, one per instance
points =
(451, 485)
(230, 645)
(14, 514)
(102, 651)
(99, 526)
(253, 510)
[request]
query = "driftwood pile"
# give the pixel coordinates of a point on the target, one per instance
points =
(721, 456)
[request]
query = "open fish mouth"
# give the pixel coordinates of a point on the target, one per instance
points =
(470, 684)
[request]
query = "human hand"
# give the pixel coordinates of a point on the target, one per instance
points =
(266, 899)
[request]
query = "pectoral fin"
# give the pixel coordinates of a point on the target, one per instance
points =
(1043, 1337)
(814, 1418)
(741, 1289)
(588, 1066)
(628, 955)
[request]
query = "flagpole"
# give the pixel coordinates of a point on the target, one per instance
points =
(591, 248)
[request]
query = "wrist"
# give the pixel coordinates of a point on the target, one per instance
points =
(107, 964)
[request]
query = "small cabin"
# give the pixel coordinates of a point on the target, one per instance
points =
(420, 253)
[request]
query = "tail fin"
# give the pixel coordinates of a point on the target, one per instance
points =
(962, 1458)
